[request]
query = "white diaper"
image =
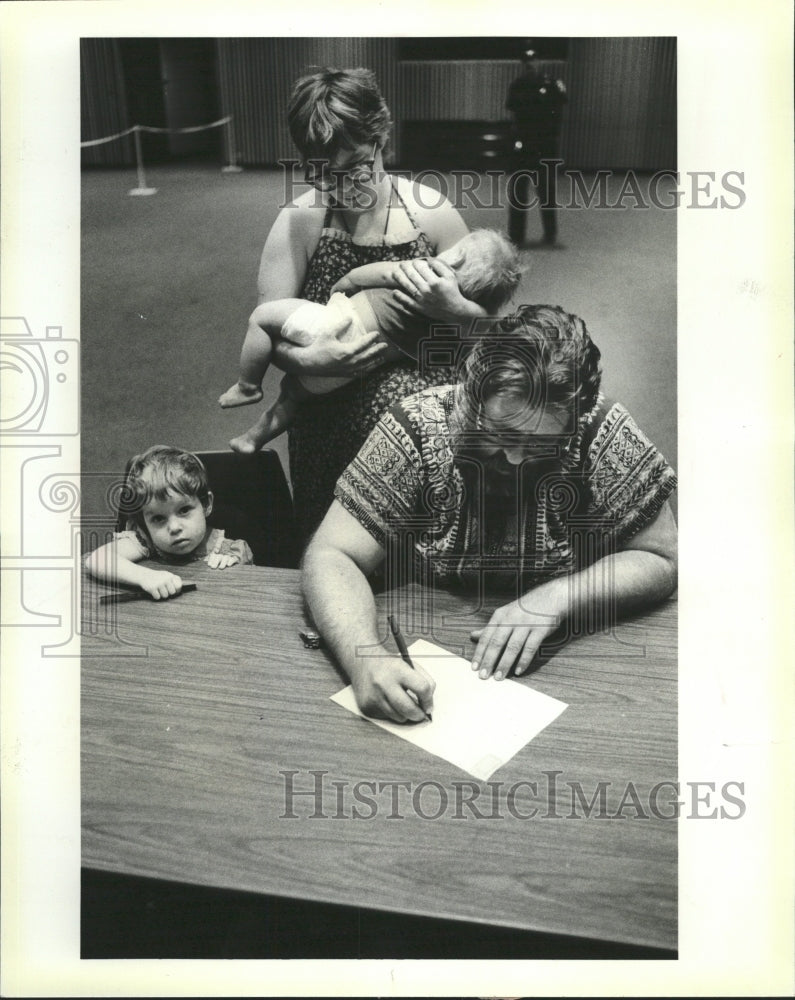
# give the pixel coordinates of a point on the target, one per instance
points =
(303, 325)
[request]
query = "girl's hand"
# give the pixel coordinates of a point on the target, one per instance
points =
(215, 560)
(161, 584)
(514, 634)
(429, 288)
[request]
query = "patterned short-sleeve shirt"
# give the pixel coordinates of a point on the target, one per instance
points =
(409, 481)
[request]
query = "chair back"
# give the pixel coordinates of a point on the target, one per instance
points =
(251, 501)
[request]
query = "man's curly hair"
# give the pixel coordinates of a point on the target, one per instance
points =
(541, 352)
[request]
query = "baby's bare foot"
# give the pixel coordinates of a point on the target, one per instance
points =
(245, 444)
(240, 394)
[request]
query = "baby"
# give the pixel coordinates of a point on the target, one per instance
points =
(487, 269)
(167, 502)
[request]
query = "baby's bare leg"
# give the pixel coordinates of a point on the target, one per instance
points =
(255, 357)
(274, 421)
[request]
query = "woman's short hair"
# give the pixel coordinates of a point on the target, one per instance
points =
(160, 472)
(332, 109)
(487, 266)
(541, 352)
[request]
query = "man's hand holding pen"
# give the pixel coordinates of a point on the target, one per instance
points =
(382, 685)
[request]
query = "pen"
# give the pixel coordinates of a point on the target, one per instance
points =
(404, 653)
(124, 597)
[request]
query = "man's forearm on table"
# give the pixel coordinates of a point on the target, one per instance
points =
(614, 585)
(342, 604)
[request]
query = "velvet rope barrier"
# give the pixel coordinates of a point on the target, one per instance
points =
(142, 188)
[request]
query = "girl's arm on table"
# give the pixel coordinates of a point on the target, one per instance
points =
(116, 563)
(641, 574)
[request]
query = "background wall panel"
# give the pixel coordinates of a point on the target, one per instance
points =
(622, 93)
(460, 90)
(103, 103)
(256, 76)
(622, 103)
(621, 111)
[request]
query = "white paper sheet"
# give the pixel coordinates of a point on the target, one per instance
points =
(478, 725)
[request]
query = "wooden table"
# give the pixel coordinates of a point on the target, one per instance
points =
(198, 713)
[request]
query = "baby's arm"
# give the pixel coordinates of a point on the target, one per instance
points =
(116, 562)
(376, 275)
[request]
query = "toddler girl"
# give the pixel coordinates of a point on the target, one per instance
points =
(487, 268)
(167, 502)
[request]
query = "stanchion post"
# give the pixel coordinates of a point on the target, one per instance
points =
(139, 160)
(231, 152)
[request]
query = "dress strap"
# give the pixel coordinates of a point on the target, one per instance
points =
(389, 207)
(330, 210)
(405, 206)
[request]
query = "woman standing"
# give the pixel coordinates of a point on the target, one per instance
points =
(353, 214)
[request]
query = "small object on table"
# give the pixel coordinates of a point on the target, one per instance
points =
(310, 639)
(125, 596)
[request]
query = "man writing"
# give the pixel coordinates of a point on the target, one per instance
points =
(494, 479)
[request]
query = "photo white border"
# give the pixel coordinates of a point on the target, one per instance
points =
(735, 363)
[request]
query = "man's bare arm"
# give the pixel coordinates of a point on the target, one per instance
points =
(335, 569)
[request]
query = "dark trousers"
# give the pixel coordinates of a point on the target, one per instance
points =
(537, 171)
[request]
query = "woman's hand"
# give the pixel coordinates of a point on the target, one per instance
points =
(333, 351)
(515, 632)
(430, 288)
(160, 583)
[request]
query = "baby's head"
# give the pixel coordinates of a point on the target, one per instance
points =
(167, 499)
(487, 266)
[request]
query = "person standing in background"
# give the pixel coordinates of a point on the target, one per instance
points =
(535, 101)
